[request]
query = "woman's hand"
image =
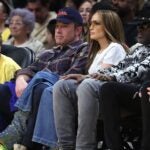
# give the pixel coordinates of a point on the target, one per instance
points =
(21, 84)
(77, 77)
(102, 77)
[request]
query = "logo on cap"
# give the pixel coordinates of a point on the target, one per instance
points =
(62, 13)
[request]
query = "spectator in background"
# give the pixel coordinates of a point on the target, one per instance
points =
(8, 66)
(40, 8)
(4, 13)
(127, 10)
(56, 5)
(84, 10)
(50, 34)
(102, 5)
(21, 25)
(19, 4)
(72, 3)
(9, 3)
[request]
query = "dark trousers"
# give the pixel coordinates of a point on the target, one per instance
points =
(145, 117)
(114, 97)
(27, 139)
(5, 111)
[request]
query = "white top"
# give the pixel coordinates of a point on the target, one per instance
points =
(112, 55)
(33, 44)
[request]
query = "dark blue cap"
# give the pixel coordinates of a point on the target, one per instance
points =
(69, 15)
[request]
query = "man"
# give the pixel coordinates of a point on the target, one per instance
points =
(90, 92)
(4, 13)
(116, 95)
(41, 10)
(69, 56)
(127, 10)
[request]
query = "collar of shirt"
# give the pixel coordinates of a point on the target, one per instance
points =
(72, 45)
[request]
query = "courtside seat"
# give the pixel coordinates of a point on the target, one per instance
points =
(22, 55)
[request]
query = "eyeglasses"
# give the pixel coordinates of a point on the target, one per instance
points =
(144, 26)
(95, 23)
(16, 23)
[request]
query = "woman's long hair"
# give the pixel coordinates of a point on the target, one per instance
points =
(114, 32)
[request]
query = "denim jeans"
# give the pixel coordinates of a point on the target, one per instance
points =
(44, 130)
(76, 105)
(46, 77)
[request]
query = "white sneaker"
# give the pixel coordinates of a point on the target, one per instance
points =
(19, 147)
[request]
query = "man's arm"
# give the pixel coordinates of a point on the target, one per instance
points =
(132, 71)
(25, 74)
(148, 91)
(21, 84)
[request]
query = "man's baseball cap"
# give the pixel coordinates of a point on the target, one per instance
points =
(69, 15)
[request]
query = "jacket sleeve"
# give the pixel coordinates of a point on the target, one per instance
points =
(133, 71)
(40, 63)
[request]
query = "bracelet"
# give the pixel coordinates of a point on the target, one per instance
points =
(87, 76)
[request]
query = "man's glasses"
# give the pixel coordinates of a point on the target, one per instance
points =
(144, 26)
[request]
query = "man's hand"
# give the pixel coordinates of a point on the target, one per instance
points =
(148, 91)
(21, 84)
(78, 77)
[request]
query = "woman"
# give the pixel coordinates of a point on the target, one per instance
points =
(21, 25)
(72, 101)
(85, 9)
(123, 92)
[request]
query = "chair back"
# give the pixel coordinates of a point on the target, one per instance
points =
(22, 55)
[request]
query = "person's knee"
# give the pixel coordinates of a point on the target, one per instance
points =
(58, 85)
(88, 85)
(107, 87)
(64, 86)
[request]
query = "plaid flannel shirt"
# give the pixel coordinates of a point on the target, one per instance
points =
(69, 59)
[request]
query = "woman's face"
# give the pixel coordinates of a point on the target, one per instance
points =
(84, 10)
(17, 27)
(2, 14)
(97, 31)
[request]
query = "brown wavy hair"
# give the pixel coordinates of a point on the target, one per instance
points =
(114, 31)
